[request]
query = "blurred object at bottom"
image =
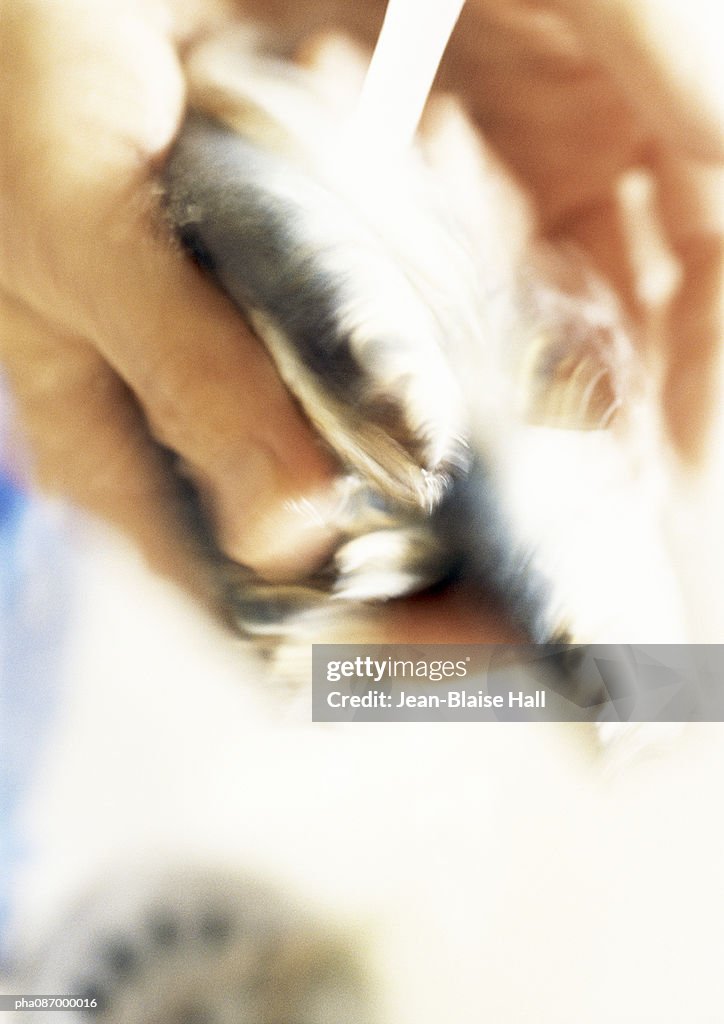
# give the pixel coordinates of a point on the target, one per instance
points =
(198, 946)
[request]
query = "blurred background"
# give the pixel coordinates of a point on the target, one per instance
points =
(513, 873)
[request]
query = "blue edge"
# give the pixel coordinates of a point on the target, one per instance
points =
(34, 592)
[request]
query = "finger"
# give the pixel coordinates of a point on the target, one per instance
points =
(666, 57)
(207, 388)
(88, 441)
(89, 251)
(211, 394)
(543, 102)
(496, 215)
(691, 210)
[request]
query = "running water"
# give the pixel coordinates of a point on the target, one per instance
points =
(402, 70)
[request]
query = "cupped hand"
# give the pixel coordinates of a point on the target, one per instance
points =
(111, 340)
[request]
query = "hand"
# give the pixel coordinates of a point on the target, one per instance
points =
(112, 340)
(574, 94)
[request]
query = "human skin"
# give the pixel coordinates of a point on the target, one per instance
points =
(112, 340)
